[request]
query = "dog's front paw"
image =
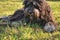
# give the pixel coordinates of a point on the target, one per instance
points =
(49, 27)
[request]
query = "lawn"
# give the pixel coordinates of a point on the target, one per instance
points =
(27, 32)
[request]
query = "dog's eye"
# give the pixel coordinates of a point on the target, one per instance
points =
(40, 1)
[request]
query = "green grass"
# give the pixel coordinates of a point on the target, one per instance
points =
(56, 10)
(27, 32)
